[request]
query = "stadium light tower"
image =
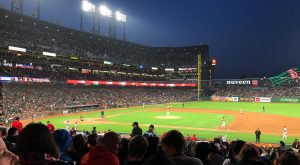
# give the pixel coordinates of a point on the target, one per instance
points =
(112, 26)
(88, 7)
(122, 18)
(105, 11)
(17, 6)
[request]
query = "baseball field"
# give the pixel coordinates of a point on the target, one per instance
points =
(200, 118)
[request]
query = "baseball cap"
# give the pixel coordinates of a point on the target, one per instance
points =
(135, 123)
(151, 126)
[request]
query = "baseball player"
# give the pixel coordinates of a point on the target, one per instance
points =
(223, 123)
(284, 133)
(167, 113)
(75, 126)
(241, 111)
(67, 125)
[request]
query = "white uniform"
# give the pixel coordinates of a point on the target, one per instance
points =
(75, 126)
(241, 111)
(223, 124)
(67, 126)
(168, 113)
(284, 133)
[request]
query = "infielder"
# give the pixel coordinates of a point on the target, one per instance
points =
(241, 111)
(223, 123)
(284, 133)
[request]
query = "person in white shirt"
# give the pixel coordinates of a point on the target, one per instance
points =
(284, 133)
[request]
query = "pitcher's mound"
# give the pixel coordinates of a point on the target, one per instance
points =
(167, 117)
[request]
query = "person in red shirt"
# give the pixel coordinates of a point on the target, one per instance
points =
(50, 127)
(188, 138)
(194, 138)
(104, 153)
(17, 124)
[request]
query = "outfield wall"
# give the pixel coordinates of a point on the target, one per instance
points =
(253, 99)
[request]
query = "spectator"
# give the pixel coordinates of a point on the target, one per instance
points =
(79, 143)
(289, 158)
(136, 129)
(249, 155)
(91, 142)
(159, 159)
(153, 147)
(35, 146)
(3, 132)
(12, 135)
(215, 154)
(137, 148)
(150, 132)
(173, 145)
(296, 144)
(233, 151)
(50, 127)
(194, 138)
(74, 152)
(188, 137)
(17, 124)
(63, 140)
(10, 139)
(202, 152)
(104, 153)
(282, 146)
(7, 157)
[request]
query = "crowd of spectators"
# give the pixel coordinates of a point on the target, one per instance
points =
(39, 98)
(64, 73)
(36, 145)
(241, 91)
(38, 36)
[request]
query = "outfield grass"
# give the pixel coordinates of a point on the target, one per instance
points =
(192, 120)
(284, 109)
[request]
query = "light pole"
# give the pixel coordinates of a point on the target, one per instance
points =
(122, 18)
(104, 11)
(87, 7)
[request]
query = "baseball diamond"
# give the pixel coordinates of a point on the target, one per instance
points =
(201, 118)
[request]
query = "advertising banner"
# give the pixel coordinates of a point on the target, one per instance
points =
(223, 98)
(285, 100)
(263, 99)
(235, 99)
(246, 99)
(238, 82)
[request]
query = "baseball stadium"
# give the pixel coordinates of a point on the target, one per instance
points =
(86, 84)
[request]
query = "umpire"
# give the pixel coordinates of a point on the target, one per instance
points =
(257, 134)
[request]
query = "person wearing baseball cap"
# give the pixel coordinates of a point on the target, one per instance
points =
(150, 132)
(136, 129)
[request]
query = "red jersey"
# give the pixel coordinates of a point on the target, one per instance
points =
(50, 127)
(188, 138)
(194, 138)
(17, 124)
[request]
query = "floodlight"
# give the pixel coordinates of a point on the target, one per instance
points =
(49, 54)
(105, 11)
(120, 16)
(87, 6)
(18, 49)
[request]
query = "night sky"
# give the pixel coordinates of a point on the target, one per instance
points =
(245, 36)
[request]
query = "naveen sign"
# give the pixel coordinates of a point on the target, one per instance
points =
(238, 82)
